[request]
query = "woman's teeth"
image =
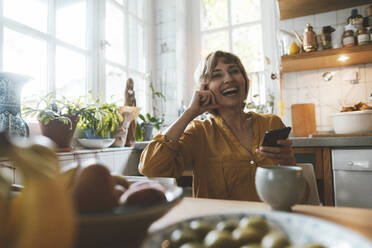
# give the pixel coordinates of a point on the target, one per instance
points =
(230, 91)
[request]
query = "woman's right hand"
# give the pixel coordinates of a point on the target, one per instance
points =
(202, 101)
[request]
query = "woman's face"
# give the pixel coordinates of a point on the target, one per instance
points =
(227, 83)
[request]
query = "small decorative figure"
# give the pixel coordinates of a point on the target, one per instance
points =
(130, 100)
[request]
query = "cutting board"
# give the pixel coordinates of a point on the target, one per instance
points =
(303, 119)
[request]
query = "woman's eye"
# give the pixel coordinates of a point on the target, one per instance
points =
(216, 75)
(235, 71)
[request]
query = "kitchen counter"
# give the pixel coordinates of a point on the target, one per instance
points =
(349, 141)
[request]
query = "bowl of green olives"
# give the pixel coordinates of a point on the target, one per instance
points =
(272, 229)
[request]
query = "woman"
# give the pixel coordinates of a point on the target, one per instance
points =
(222, 151)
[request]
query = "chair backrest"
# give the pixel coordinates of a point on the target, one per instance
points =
(309, 175)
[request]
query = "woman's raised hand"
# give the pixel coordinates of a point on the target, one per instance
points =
(202, 101)
(283, 154)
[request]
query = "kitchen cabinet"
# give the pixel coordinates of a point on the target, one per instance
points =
(327, 58)
(320, 157)
(295, 8)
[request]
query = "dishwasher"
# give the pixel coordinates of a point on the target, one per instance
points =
(352, 177)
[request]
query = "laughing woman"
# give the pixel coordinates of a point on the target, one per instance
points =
(224, 150)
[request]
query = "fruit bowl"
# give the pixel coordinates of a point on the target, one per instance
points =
(124, 226)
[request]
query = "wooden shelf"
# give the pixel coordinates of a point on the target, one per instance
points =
(327, 58)
(296, 8)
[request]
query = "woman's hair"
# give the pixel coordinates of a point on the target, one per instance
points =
(203, 73)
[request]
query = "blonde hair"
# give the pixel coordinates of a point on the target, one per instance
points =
(203, 73)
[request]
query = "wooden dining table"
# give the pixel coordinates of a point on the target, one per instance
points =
(356, 219)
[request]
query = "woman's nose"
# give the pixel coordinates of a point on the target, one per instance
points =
(227, 77)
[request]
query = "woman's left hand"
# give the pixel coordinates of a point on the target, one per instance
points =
(282, 154)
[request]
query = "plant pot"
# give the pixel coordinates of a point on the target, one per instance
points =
(147, 131)
(59, 132)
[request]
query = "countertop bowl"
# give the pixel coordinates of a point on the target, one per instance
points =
(352, 122)
(124, 226)
(96, 143)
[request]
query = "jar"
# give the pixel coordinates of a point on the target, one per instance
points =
(363, 36)
(348, 38)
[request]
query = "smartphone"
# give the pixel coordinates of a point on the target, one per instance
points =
(271, 137)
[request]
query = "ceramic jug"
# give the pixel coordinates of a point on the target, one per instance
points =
(10, 106)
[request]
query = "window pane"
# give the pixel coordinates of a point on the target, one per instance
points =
(213, 14)
(248, 46)
(114, 28)
(70, 73)
(136, 51)
(136, 7)
(120, 1)
(25, 55)
(71, 21)
(115, 85)
(245, 11)
(33, 13)
(214, 41)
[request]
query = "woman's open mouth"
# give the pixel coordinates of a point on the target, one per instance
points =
(232, 91)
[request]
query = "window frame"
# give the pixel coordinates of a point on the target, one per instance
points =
(268, 22)
(94, 51)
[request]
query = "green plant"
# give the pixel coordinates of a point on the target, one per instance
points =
(268, 107)
(100, 118)
(147, 119)
(51, 107)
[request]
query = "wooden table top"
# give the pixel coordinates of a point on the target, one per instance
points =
(357, 219)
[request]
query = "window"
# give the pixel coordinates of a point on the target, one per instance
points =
(237, 26)
(73, 46)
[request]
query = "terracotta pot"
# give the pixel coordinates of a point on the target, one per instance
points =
(59, 132)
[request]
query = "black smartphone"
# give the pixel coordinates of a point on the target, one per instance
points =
(271, 137)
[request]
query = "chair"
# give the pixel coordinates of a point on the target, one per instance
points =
(309, 175)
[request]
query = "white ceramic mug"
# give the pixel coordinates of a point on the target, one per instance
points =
(280, 186)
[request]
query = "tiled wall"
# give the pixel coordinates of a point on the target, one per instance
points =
(308, 86)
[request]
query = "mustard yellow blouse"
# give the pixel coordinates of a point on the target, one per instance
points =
(222, 167)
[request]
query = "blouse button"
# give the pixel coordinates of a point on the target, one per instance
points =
(251, 162)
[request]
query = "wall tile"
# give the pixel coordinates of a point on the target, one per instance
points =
(287, 117)
(325, 19)
(308, 95)
(290, 80)
(368, 72)
(368, 90)
(353, 93)
(307, 79)
(300, 23)
(325, 115)
(330, 93)
(290, 96)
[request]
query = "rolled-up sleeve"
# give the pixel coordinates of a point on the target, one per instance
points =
(166, 158)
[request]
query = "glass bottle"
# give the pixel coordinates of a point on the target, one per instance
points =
(355, 19)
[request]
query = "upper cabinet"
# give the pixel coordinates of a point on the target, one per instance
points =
(297, 8)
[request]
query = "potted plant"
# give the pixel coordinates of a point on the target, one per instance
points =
(99, 120)
(57, 117)
(146, 126)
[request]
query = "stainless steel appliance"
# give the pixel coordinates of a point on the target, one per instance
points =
(352, 177)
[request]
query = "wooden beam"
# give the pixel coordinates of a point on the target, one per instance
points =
(327, 58)
(297, 8)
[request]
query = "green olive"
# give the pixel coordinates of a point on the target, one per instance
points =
(246, 236)
(228, 225)
(192, 245)
(255, 222)
(201, 228)
(180, 237)
(275, 240)
(219, 239)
